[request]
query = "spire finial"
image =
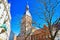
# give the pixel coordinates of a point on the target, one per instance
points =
(27, 10)
(27, 6)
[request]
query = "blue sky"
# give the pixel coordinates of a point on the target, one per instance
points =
(17, 11)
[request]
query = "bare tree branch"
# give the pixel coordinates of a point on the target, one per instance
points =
(56, 5)
(56, 33)
(48, 14)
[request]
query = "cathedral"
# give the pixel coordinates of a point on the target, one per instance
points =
(5, 19)
(26, 26)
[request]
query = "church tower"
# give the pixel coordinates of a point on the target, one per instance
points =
(26, 21)
(26, 24)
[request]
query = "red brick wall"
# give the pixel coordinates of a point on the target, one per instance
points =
(41, 34)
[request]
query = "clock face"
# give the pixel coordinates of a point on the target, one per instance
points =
(1, 8)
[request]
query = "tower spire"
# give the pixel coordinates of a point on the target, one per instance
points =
(27, 6)
(27, 10)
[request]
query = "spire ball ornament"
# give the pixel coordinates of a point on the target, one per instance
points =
(27, 11)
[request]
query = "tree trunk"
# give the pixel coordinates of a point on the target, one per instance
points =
(52, 38)
(25, 38)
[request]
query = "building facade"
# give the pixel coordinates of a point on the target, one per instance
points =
(15, 37)
(44, 34)
(11, 35)
(5, 18)
(41, 34)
